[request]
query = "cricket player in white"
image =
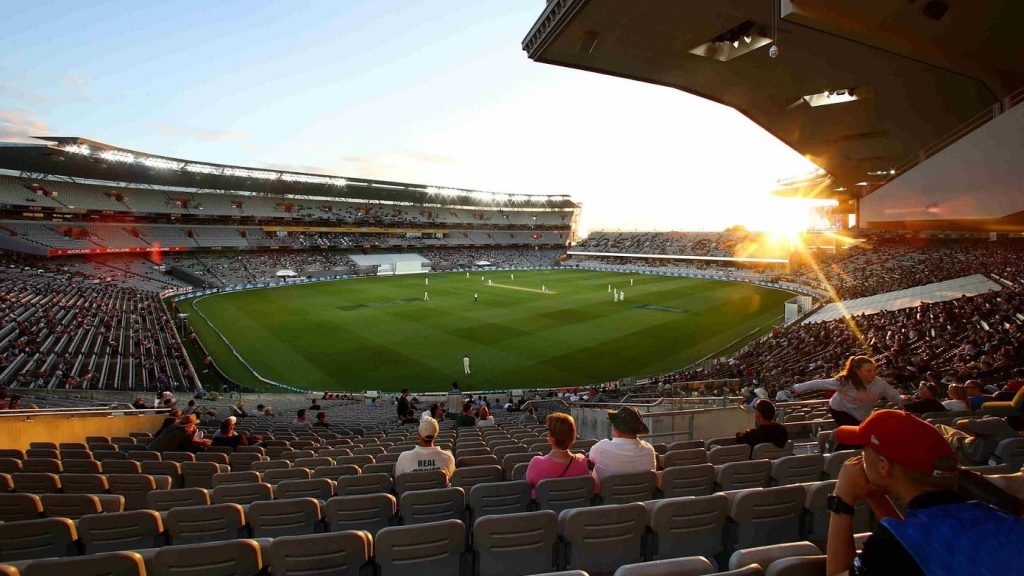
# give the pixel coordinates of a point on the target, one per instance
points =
(426, 281)
(465, 363)
(426, 296)
(630, 281)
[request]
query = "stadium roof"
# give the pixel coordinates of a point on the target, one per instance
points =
(858, 86)
(74, 157)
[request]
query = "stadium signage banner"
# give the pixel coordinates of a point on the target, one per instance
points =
(75, 251)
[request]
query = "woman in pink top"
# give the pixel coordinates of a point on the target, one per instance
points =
(560, 462)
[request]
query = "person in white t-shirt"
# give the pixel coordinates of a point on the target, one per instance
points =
(624, 453)
(425, 456)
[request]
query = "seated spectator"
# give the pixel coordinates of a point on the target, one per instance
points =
(484, 418)
(227, 436)
(976, 395)
(238, 410)
(180, 437)
(373, 402)
(560, 461)
(1010, 389)
(172, 417)
(314, 407)
(191, 408)
(140, 403)
(321, 420)
(436, 411)
(766, 429)
(925, 401)
(624, 453)
(907, 458)
(425, 456)
(300, 419)
(529, 417)
(975, 439)
(410, 417)
(466, 419)
(957, 399)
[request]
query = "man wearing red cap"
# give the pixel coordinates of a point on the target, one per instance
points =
(942, 533)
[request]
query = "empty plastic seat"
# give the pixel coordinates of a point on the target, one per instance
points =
(166, 500)
(104, 455)
(379, 468)
(626, 488)
(134, 488)
(764, 516)
(242, 462)
(797, 469)
(426, 506)
(121, 467)
(817, 515)
(500, 452)
(602, 538)
(164, 468)
(13, 453)
(209, 523)
(369, 512)
(284, 517)
(798, 566)
(499, 498)
(266, 465)
(215, 457)
(313, 462)
(43, 538)
(688, 526)
(508, 463)
(333, 452)
(771, 451)
(43, 453)
(293, 455)
(75, 454)
(225, 478)
(274, 477)
(559, 494)
(72, 506)
(200, 474)
(146, 455)
(81, 466)
(742, 475)
(685, 445)
(6, 483)
(319, 488)
(10, 465)
(484, 460)
(766, 555)
(233, 558)
(1010, 452)
(84, 484)
(363, 484)
(136, 529)
(726, 454)
(693, 480)
(179, 457)
(18, 507)
(243, 494)
(423, 549)
(834, 462)
(687, 457)
(470, 476)
(693, 566)
(36, 482)
(513, 544)
(334, 554)
(335, 472)
(108, 564)
(427, 480)
(356, 460)
(45, 465)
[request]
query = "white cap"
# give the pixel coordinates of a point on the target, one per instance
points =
(428, 428)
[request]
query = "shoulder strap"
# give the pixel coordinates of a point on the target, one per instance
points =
(572, 459)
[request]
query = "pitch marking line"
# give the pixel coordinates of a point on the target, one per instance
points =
(521, 288)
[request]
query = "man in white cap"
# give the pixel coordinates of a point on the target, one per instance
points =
(425, 456)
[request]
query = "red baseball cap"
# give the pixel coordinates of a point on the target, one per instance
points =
(902, 438)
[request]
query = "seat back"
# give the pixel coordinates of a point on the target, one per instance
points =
(426, 506)
(200, 474)
(426, 480)
(36, 482)
(513, 544)
(363, 484)
(834, 463)
(1009, 452)
(764, 516)
(334, 554)
(231, 558)
(18, 507)
(165, 500)
(43, 538)
(693, 566)
(499, 498)
(164, 468)
(226, 478)
(47, 465)
(693, 480)
(686, 457)
(275, 477)
(602, 538)
(742, 475)
(81, 466)
(626, 488)
(121, 467)
(688, 526)
(369, 512)
(284, 517)
(72, 506)
(771, 451)
(766, 555)
(559, 494)
(319, 488)
(134, 488)
(119, 563)
(725, 454)
(470, 476)
(335, 472)
(434, 548)
(209, 523)
(797, 469)
(242, 493)
(132, 530)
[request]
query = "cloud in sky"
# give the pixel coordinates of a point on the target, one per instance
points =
(201, 134)
(17, 125)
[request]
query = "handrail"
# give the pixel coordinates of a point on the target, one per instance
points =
(85, 412)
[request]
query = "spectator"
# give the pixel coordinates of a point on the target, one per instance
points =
(314, 407)
(624, 453)
(529, 417)
(435, 411)
(766, 429)
(466, 419)
(403, 404)
(1010, 389)
(321, 420)
(227, 436)
(484, 418)
(976, 395)
(957, 399)
(425, 456)
(180, 437)
(140, 403)
(927, 400)
(373, 402)
(974, 440)
(191, 408)
(238, 410)
(300, 419)
(857, 388)
(170, 420)
(560, 461)
(907, 458)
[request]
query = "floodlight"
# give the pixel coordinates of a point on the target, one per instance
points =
(117, 156)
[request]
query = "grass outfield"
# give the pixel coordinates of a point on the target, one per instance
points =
(379, 333)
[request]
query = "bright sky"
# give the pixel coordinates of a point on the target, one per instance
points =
(435, 92)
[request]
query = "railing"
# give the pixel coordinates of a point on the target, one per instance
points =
(93, 411)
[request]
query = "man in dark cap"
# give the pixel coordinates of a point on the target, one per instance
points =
(624, 453)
